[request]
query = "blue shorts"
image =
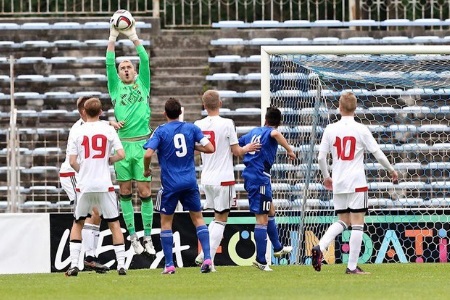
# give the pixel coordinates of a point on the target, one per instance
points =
(259, 197)
(166, 201)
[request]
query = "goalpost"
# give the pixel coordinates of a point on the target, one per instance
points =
(404, 97)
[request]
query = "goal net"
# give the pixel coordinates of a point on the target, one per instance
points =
(404, 97)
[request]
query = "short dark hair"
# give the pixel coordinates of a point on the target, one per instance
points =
(93, 107)
(81, 101)
(172, 108)
(273, 116)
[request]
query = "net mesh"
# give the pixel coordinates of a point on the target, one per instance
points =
(404, 100)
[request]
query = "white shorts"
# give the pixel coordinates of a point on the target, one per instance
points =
(106, 202)
(68, 183)
(350, 202)
(219, 197)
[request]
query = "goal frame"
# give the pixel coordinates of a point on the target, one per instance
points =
(266, 51)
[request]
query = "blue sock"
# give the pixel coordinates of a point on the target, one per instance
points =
(203, 237)
(272, 231)
(167, 244)
(261, 243)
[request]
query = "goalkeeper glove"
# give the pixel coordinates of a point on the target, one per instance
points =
(113, 33)
(131, 33)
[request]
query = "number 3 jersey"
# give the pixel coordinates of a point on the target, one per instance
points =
(347, 141)
(218, 166)
(93, 143)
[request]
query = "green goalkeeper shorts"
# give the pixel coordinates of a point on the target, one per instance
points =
(132, 167)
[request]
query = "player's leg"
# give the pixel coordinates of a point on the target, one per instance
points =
(358, 209)
(90, 235)
(166, 203)
(81, 211)
(147, 215)
(218, 198)
(144, 190)
(190, 199)
(124, 176)
(110, 212)
(259, 204)
(272, 230)
(68, 183)
(342, 211)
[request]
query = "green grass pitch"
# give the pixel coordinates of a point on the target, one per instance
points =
(387, 281)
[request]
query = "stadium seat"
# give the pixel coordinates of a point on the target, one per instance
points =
(30, 60)
(38, 78)
(327, 23)
(62, 77)
(395, 40)
(297, 23)
(263, 41)
(225, 59)
(61, 59)
(9, 26)
(35, 26)
(227, 42)
(426, 39)
(361, 23)
(396, 22)
(96, 25)
(325, 40)
(230, 24)
(360, 40)
(68, 43)
(92, 59)
(96, 77)
(96, 43)
(227, 93)
(295, 41)
(223, 76)
(40, 44)
(265, 24)
(66, 25)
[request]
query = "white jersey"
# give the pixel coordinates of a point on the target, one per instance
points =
(218, 166)
(347, 141)
(65, 166)
(93, 143)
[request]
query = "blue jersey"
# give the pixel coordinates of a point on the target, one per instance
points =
(174, 143)
(258, 164)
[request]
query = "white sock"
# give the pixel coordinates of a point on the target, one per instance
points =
(215, 237)
(90, 235)
(120, 255)
(355, 246)
(335, 229)
(75, 249)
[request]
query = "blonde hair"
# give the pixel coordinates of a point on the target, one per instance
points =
(211, 100)
(347, 102)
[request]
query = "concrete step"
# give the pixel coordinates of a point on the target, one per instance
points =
(177, 90)
(194, 52)
(187, 61)
(178, 80)
(193, 70)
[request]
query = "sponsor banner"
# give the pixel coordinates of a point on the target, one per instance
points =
(393, 237)
(25, 243)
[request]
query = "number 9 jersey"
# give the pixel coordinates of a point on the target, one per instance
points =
(347, 141)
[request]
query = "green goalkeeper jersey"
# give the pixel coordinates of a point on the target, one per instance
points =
(130, 101)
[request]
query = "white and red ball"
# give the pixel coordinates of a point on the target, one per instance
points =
(122, 19)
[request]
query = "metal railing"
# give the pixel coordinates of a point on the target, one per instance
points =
(202, 13)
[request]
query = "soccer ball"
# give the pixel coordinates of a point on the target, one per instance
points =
(122, 19)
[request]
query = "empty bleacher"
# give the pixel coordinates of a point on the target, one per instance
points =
(54, 64)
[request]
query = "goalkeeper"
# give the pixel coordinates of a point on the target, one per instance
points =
(347, 141)
(129, 92)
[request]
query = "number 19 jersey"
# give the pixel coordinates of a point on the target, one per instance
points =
(93, 143)
(347, 140)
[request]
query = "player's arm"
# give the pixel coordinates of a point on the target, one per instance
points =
(119, 154)
(240, 151)
(73, 160)
(111, 71)
(322, 161)
(205, 146)
(373, 147)
(147, 160)
(283, 142)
